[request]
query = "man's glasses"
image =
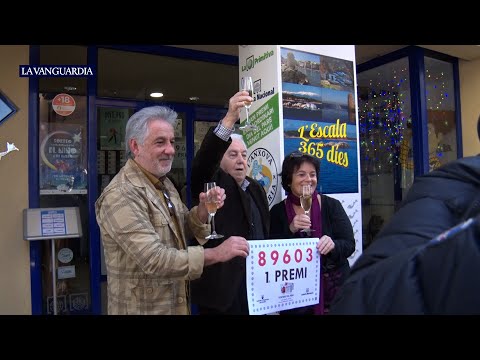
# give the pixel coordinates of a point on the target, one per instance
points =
(171, 207)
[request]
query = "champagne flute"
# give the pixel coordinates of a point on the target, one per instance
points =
(306, 203)
(211, 204)
(246, 84)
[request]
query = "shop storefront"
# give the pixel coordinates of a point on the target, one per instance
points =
(80, 150)
(408, 113)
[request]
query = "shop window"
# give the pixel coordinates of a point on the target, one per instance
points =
(384, 113)
(63, 178)
(442, 134)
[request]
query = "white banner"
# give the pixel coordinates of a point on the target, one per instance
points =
(282, 274)
(265, 143)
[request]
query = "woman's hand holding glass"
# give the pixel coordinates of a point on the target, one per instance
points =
(300, 222)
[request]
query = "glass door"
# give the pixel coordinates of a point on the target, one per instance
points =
(112, 117)
(63, 182)
(386, 148)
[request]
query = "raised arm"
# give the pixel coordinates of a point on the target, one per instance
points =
(216, 142)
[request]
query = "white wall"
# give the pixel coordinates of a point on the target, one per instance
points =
(470, 105)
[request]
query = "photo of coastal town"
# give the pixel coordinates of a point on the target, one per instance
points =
(304, 102)
(319, 116)
(317, 87)
(303, 68)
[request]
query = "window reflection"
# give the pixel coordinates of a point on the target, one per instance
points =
(442, 135)
(63, 179)
(384, 113)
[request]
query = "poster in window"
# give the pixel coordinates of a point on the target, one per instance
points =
(63, 160)
(112, 128)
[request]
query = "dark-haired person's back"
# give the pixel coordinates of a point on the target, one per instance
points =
(393, 277)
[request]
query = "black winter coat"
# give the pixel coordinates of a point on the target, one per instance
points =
(397, 274)
(219, 283)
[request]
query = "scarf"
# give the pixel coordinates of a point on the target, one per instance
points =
(316, 219)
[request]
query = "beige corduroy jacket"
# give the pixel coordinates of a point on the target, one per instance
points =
(148, 263)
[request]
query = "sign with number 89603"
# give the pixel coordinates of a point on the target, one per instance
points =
(282, 274)
(274, 256)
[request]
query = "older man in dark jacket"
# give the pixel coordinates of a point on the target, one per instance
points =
(398, 274)
(222, 158)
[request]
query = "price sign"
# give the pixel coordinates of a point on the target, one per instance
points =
(63, 104)
(282, 274)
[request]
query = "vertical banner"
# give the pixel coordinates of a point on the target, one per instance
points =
(264, 150)
(311, 91)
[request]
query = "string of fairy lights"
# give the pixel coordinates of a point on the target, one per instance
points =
(384, 114)
(382, 121)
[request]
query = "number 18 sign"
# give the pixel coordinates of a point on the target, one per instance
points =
(282, 274)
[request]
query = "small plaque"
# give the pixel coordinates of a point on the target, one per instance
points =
(66, 272)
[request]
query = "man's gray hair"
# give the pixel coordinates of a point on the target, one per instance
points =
(137, 125)
(238, 137)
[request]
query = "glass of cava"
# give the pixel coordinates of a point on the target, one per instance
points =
(211, 204)
(246, 84)
(306, 203)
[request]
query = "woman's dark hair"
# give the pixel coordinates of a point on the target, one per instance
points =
(292, 162)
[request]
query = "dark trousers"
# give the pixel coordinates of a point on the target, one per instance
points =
(239, 305)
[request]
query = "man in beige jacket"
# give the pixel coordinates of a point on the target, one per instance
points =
(144, 225)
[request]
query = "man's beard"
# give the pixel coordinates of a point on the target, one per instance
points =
(165, 170)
